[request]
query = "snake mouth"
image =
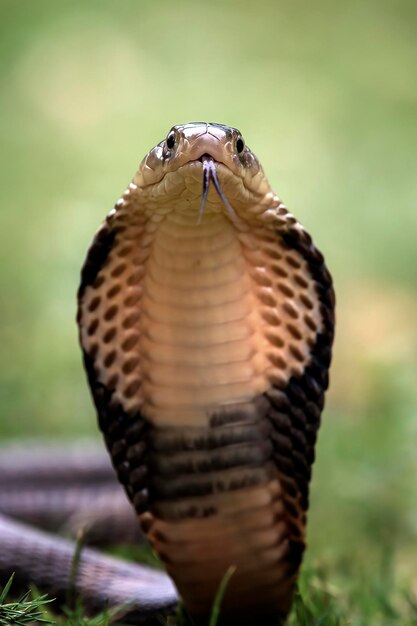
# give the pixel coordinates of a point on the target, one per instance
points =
(210, 175)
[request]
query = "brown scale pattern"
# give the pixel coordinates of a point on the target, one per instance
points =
(214, 484)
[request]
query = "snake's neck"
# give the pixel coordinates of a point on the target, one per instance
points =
(201, 328)
(184, 318)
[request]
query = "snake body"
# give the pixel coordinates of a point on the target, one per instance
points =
(73, 490)
(66, 489)
(206, 319)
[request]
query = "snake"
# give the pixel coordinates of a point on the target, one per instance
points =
(206, 320)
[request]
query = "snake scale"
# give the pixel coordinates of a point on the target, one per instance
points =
(206, 320)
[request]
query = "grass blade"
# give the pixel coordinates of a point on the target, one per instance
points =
(215, 612)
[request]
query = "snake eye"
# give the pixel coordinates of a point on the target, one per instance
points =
(171, 140)
(240, 145)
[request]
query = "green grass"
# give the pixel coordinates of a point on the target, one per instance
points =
(355, 598)
(25, 610)
(323, 599)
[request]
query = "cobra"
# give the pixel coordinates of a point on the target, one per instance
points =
(206, 319)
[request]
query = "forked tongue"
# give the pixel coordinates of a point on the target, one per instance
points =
(210, 174)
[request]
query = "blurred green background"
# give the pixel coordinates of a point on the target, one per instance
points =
(325, 93)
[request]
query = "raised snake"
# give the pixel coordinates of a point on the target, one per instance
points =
(206, 319)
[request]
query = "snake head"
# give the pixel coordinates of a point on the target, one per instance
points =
(174, 170)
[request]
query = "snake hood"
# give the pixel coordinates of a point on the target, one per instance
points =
(206, 320)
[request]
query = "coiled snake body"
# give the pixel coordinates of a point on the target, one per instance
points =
(206, 319)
